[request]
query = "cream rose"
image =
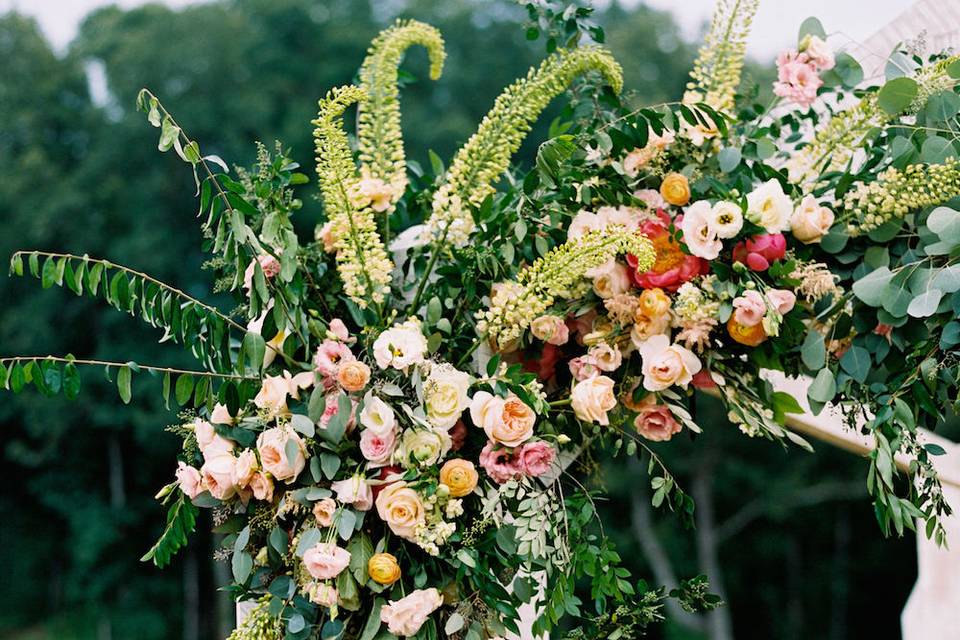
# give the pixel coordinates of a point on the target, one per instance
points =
(666, 364)
(273, 446)
(611, 279)
(401, 508)
(245, 468)
(354, 491)
(506, 421)
(605, 357)
(769, 207)
(326, 560)
(445, 395)
(810, 221)
(592, 398)
(405, 616)
(423, 447)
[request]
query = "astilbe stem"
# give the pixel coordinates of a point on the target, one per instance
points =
(487, 153)
(896, 193)
(716, 72)
(362, 261)
(556, 275)
(378, 114)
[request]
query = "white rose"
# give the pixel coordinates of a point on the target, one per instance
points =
(611, 279)
(423, 447)
(727, 219)
(592, 398)
(698, 232)
(377, 416)
(769, 207)
(666, 364)
(400, 346)
(445, 395)
(810, 221)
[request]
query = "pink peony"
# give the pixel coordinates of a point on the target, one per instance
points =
(535, 458)
(499, 463)
(673, 267)
(760, 251)
(654, 421)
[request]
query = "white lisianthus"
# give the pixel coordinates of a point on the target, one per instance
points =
(698, 232)
(727, 219)
(445, 395)
(400, 346)
(423, 447)
(582, 223)
(769, 207)
(377, 416)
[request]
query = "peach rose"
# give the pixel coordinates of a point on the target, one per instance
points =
(262, 486)
(666, 364)
(323, 512)
(810, 221)
(217, 475)
(401, 508)
(272, 447)
(404, 617)
(675, 189)
(354, 491)
(655, 421)
(460, 476)
(245, 468)
(353, 376)
(550, 329)
(383, 569)
(506, 421)
(605, 357)
(592, 398)
(326, 560)
(189, 479)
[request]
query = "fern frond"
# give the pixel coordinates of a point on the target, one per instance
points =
(486, 155)
(378, 114)
(716, 72)
(362, 260)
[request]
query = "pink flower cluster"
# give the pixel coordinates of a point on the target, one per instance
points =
(533, 459)
(798, 72)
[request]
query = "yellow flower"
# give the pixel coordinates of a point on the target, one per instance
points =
(750, 336)
(675, 189)
(653, 303)
(383, 569)
(460, 475)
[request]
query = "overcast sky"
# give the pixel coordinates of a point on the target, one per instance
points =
(775, 27)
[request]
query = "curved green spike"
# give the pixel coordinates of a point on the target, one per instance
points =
(486, 155)
(378, 116)
(361, 258)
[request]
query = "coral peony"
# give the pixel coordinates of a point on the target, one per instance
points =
(760, 251)
(673, 267)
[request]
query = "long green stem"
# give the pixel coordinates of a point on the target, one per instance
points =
(121, 365)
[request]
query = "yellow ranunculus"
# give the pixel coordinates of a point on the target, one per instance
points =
(675, 189)
(460, 475)
(749, 336)
(654, 303)
(383, 569)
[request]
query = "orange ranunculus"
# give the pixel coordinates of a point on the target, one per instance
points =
(675, 189)
(654, 303)
(750, 336)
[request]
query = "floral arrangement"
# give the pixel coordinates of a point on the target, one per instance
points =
(383, 427)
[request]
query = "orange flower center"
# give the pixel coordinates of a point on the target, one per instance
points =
(669, 254)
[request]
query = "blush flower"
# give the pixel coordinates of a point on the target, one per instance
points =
(499, 463)
(326, 560)
(760, 251)
(749, 308)
(655, 421)
(536, 458)
(665, 364)
(405, 617)
(592, 398)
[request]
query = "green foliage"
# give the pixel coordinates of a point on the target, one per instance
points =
(181, 520)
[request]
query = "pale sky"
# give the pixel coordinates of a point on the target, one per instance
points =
(775, 27)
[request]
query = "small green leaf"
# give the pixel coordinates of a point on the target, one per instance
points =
(123, 383)
(729, 159)
(897, 95)
(183, 389)
(824, 387)
(813, 352)
(811, 27)
(925, 304)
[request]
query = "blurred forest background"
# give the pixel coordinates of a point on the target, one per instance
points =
(801, 556)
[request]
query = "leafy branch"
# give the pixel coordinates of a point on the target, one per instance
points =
(181, 521)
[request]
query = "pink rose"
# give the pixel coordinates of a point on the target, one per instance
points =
(333, 408)
(262, 487)
(582, 368)
(268, 264)
(550, 329)
(405, 616)
(536, 457)
(760, 251)
(189, 479)
(782, 300)
(749, 308)
(377, 448)
(326, 560)
(272, 447)
(651, 198)
(797, 78)
(354, 491)
(329, 356)
(245, 467)
(499, 463)
(655, 422)
(218, 476)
